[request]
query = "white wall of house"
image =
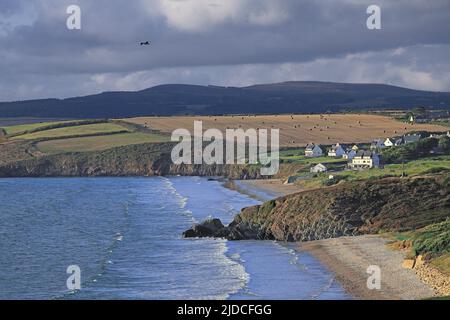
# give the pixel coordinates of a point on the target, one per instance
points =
(389, 142)
(349, 155)
(336, 151)
(315, 152)
(366, 162)
(318, 168)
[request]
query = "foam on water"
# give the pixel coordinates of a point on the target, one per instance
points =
(125, 234)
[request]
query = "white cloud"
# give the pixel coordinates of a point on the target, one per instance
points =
(202, 15)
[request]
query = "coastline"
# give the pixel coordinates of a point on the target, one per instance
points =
(348, 257)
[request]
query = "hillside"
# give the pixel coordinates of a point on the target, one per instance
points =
(347, 209)
(173, 99)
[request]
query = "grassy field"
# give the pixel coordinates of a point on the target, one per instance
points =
(25, 127)
(98, 142)
(298, 130)
(416, 167)
(90, 129)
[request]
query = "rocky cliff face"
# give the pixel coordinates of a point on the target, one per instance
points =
(133, 160)
(352, 208)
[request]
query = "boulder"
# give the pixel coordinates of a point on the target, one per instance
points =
(408, 263)
(420, 261)
(208, 228)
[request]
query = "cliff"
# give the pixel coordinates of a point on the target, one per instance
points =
(133, 160)
(350, 208)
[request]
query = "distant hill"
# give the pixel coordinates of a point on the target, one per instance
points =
(177, 99)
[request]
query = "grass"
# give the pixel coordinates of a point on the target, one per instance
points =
(442, 263)
(89, 129)
(414, 167)
(296, 157)
(31, 126)
(98, 143)
(432, 241)
(434, 238)
(417, 167)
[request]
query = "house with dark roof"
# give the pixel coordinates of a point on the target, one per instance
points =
(336, 151)
(313, 150)
(377, 144)
(411, 138)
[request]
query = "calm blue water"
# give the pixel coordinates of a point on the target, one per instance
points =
(124, 234)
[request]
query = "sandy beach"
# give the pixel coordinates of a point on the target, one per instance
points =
(349, 257)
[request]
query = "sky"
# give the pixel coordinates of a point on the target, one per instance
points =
(218, 42)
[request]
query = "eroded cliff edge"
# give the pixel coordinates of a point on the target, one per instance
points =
(350, 208)
(151, 159)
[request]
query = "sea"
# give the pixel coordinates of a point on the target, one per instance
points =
(124, 236)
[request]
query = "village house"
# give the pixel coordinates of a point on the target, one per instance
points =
(365, 160)
(349, 154)
(389, 142)
(313, 151)
(411, 138)
(318, 168)
(336, 151)
(377, 144)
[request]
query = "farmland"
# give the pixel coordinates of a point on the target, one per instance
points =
(299, 130)
(45, 138)
(90, 129)
(97, 142)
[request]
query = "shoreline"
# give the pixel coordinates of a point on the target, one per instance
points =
(349, 257)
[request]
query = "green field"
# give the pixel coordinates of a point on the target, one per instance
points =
(414, 167)
(98, 142)
(88, 129)
(25, 127)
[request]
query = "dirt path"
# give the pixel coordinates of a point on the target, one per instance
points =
(349, 257)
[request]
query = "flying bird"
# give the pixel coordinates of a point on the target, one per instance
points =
(146, 43)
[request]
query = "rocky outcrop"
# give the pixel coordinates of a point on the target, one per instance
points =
(351, 208)
(208, 228)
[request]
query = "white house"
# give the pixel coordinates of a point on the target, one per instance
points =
(365, 160)
(389, 142)
(313, 150)
(349, 154)
(318, 168)
(336, 151)
(355, 148)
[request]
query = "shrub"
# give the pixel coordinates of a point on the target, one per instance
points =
(433, 238)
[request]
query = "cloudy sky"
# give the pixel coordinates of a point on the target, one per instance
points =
(220, 42)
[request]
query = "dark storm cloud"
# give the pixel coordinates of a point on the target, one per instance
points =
(210, 41)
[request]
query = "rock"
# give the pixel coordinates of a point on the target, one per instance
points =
(419, 261)
(408, 263)
(208, 228)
